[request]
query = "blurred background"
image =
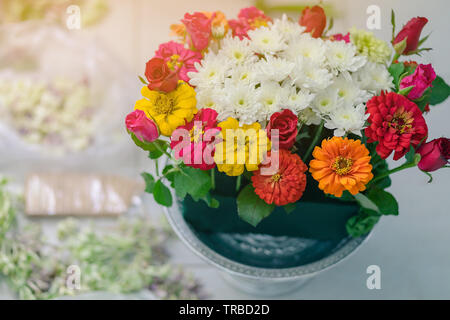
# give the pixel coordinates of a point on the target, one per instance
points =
(91, 74)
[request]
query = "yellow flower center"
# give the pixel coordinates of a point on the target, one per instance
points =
(276, 177)
(196, 134)
(342, 165)
(163, 104)
(174, 62)
(258, 22)
(402, 121)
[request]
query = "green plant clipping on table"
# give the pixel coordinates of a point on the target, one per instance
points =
(127, 257)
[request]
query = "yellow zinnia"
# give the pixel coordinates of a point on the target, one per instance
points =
(240, 146)
(169, 110)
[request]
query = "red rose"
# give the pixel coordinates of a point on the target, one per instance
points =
(411, 31)
(286, 124)
(314, 19)
(435, 154)
(160, 76)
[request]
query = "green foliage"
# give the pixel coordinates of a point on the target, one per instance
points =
(251, 208)
(149, 182)
(440, 91)
(289, 208)
(194, 182)
(162, 194)
(385, 202)
(362, 223)
(396, 70)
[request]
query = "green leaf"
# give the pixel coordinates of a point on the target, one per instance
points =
(251, 208)
(162, 194)
(289, 208)
(393, 24)
(396, 70)
(155, 154)
(143, 80)
(149, 182)
(439, 92)
(386, 203)
(423, 40)
(169, 172)
(362, 223)
(406, 91)
(366, 203)
(192, 181)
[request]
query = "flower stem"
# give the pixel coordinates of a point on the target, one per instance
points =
(387, 173)
(314, 142)
(238, 183)
(213, 178)
(396, 56)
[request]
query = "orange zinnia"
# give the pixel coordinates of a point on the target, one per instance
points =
(341, 164)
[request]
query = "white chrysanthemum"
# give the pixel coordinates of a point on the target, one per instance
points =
(349, 90)
(242, 75)
(211, 72)
(242, 100)
(290, 30)
(309, 75)
(237, 51)
(266, 41)
(343, 56)
(271, 68)
(210, 98)
(327, 101)
(347, 119)
(298, 99)
(309, 117)
(307, 47)
(272, 98)
(374, 77)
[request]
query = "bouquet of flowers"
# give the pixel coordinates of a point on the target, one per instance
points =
(286, 106)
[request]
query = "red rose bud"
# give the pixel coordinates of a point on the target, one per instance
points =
(411, 34)
(286, 124)
(160, 76)
(314, 20)
(142, 127)
(435, 154)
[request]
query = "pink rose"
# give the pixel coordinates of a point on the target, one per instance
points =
(411, 31)
(435, 154)
(421, 79)
(341, 37)
(286, 124)
(198, 26)
(142, 127)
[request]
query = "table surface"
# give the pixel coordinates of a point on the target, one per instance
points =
(412, 250)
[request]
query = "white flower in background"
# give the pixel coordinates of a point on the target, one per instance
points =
(242, 102)
(310, 76)
(309, 117)
(290, 30)
(298, 99)
(374, 77)
(309, 48)
(266, 41)
(342, 56)
(271, 97)
(327, 101)
(238, 51)
(347, 119)
(271, 68)
(211, 72)
(349, 90)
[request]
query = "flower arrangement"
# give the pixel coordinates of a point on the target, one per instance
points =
(284, 106)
